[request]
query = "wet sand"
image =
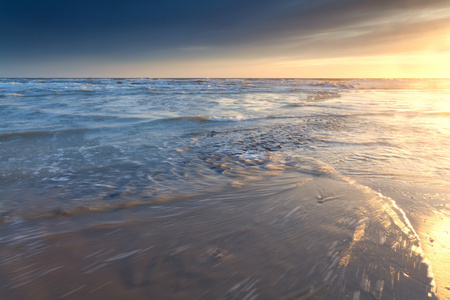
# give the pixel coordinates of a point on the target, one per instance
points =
(289, 236)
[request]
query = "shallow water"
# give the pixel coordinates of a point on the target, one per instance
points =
(224, 188)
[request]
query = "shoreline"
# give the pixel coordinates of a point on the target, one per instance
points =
(252, 241)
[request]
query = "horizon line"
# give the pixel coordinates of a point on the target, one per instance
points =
(213, 78)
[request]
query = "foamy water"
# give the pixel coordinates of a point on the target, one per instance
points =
(357, 164)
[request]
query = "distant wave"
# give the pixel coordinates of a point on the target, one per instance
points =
(322, 95)
(435, 114)
(201, 119)
(404, 113)
(14, 82)
(333, 84)
(294, 105)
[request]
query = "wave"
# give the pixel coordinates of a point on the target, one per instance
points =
(122, 203)
(26, 134)
(13, 82)
(403, 84)
(293, 105)
(392, 113)
(333, 84)
(322, 95)
(434, 114)
(353, 143)
(202, 119)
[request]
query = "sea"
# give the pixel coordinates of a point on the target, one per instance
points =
(140, 188)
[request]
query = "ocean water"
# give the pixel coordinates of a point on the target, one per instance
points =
(225, 188)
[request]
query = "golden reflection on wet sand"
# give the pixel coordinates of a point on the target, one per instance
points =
(435, 236)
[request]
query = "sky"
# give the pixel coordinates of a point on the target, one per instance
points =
(225, 38)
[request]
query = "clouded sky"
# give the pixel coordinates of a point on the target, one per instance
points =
(225, 38)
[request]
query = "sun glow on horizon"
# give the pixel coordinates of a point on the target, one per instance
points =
(418, 65)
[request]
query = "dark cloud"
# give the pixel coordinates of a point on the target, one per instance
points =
(138, 29)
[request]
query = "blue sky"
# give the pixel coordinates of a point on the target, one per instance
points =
(225, 38)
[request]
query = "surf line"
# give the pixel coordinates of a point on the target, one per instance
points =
(380, 202)
(398, 216)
